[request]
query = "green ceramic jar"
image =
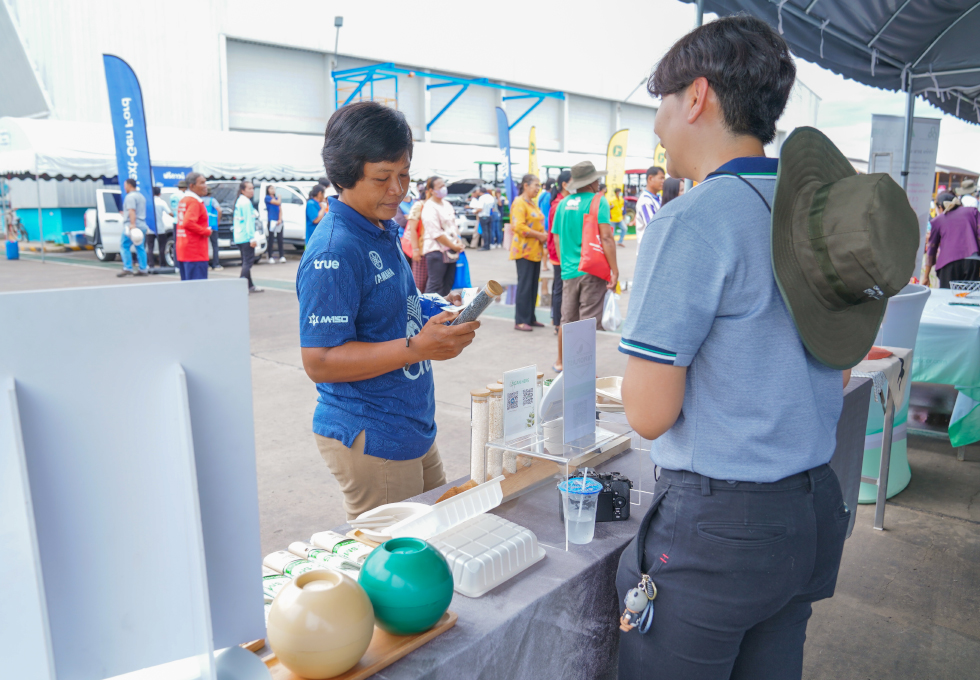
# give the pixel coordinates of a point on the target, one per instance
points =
(409, 584)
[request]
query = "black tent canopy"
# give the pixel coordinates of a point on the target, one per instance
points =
(924, 48)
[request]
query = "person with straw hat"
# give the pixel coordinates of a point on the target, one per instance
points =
(967, 193)
(753, 294)
(582, 293)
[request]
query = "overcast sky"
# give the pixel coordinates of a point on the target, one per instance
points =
(606, 51)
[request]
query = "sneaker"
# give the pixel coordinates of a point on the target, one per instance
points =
(125, 272)
(218, 268)
(256, 289)
(282, 260)
(142, 272)
(272, 260)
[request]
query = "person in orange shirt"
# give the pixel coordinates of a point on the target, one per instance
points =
(193, 231)
(526, 250)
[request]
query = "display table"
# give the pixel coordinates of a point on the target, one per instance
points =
(947, 351)
(560, 618)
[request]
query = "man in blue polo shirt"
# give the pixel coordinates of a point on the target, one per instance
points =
(367, 334)
(747, 525)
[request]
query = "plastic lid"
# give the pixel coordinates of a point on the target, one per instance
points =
(452, 511)
(575, 486)
(495, 388)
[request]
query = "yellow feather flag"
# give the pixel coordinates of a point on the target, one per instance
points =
(616, 162)
(532, 153)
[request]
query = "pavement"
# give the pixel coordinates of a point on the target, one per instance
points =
(908, 598)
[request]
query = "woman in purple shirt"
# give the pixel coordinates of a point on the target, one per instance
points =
(955, 238)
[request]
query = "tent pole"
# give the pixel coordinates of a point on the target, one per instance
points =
(40, 218)
(907, 145)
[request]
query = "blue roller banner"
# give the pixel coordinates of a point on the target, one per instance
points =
(503, 132)
(129, 130)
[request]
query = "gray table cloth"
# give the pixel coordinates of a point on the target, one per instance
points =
(560, 617)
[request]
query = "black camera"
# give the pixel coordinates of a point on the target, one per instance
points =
(614, 499)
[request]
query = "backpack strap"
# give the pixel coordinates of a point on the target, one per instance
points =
(751, 186)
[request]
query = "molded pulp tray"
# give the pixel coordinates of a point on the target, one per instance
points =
(485, 551)
(452, 511)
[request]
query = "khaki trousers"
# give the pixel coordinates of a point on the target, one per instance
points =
(369, 481)
(582, 298)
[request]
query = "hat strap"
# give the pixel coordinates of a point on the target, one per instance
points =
(819, 244)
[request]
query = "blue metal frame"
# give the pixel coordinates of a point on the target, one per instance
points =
(368, 75)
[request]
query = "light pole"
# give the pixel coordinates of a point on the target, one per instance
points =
(337, 22)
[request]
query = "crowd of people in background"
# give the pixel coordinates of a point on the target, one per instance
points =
(953, 241)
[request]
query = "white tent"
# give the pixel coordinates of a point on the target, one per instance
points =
(55, 149)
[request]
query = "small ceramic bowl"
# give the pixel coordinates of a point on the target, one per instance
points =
(321, 624)
(409, 583)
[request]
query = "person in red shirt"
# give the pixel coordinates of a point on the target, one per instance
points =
(193, 231)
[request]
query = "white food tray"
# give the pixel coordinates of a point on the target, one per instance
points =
(611, 388)
(485, 551)
(452, 511)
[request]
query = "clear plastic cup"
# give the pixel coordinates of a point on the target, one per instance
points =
(579, 499)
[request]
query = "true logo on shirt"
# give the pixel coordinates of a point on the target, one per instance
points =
(326, 264)
(376, 260)
(314, 319)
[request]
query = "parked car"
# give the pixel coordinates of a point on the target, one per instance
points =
(104, 224)
(460, 193)
(226, 193)
(293, 196)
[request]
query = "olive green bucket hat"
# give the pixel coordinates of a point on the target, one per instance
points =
(842, 244)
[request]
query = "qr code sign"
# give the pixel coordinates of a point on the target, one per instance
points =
(528, 398)
(512, 400)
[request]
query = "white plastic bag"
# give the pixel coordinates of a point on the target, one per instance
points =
(612, 319)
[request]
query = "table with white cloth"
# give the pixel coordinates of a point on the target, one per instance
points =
(947, 351)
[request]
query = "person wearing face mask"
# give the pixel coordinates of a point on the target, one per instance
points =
(441, 245)
(368, 338)
(526, 250)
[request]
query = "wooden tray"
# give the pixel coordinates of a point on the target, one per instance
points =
(361, 538)
(385, 649)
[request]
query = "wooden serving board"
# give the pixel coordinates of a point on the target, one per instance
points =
(384, 650)
(361, 538)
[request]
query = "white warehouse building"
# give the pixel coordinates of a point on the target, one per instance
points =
(223, 69)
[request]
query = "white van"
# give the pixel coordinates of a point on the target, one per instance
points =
(293, 196)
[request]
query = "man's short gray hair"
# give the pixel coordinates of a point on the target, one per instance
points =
(191, 178)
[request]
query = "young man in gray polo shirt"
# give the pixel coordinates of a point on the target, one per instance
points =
(748, 521)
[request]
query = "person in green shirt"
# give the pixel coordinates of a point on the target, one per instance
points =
(582, 293)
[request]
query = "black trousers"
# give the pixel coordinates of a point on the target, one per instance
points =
(486, 232)
(527, 291)
(556, 288)
(959, 270)
(273, 237)
(248, 258)
(441, 274)
(161, 241)
(215, 260)
(736, 565)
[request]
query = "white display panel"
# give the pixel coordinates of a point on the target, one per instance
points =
(115, 478)
(578, 380)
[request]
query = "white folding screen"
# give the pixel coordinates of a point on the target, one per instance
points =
(140, 460)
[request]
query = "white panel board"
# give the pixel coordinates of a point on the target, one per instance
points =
(639, 120)
(24, 623)
(109, 475)
(589, 124)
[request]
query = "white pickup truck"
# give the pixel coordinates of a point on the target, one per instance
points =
(293, 196)
(104, 225)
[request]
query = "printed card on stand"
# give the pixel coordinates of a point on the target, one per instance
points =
(520, 401)
(578, 350)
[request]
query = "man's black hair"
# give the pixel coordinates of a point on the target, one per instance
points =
(131, 182)
(364, 132)
(747, 64)
(156, 191)
(655, 170)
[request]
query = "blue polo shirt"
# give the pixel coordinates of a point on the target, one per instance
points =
(758, 406)
(354, 283)
(312, 210)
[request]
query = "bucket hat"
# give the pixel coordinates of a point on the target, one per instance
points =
(583, 174)
(842, 244)
(966, 187)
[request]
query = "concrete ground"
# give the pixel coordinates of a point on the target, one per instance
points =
(908, 599)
